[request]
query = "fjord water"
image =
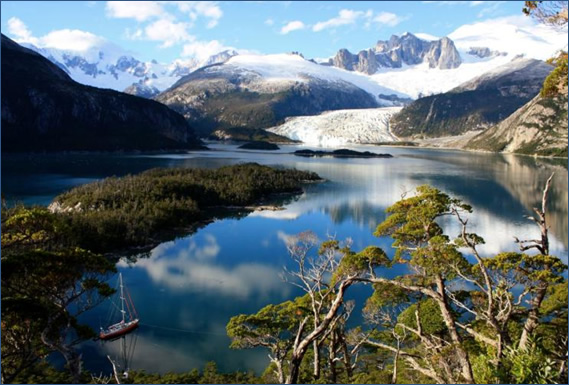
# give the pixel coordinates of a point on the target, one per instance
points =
(186, 290)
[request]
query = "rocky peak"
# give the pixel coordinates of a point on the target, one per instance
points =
(343, 59)
(484, 52)
(398, 50)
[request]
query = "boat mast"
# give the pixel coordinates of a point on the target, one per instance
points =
(122, 298)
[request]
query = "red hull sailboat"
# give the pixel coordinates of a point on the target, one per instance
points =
(128, 323)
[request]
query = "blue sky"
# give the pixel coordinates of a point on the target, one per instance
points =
(168, 30)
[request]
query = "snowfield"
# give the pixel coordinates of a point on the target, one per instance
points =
(341, 127)
(420, 80)
(288, 68)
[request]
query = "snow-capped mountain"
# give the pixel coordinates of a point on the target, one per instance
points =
(108, 66)
(412, 64)
(481, 47)
(341, 127)
(260, 91)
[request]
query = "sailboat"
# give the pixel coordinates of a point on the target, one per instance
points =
(128, 323)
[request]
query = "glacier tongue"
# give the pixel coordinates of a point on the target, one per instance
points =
(341, 127)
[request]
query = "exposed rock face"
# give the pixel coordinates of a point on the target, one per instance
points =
(43, 109)
(474, 105)
(484, 52)
(407, 49)
(537, 128)
(142, 90)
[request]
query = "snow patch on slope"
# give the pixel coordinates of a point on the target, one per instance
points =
(338, 128)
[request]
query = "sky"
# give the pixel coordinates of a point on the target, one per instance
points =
(169, 30)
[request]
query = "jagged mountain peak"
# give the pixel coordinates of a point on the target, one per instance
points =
(406, 49)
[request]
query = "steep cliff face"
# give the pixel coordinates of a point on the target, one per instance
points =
(43, 109)
(474, 105)
(537, 128)
(393, 53)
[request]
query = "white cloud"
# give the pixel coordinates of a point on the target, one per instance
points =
(65, 39)
(194, 268)
(195, 9)
(71, 39)
(164, 24)
(387, 18)
(138, 10)
(202, 50)
(345, 17)
(426, 36)
(292, 26)
(269, 22)
(348, 16)
(20, 32)
(168, 32)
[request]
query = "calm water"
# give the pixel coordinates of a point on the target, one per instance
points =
(187, 289)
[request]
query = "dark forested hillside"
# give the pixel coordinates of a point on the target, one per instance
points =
(477, 104)
(43, 109)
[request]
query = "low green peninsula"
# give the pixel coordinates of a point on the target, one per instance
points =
(137, 210)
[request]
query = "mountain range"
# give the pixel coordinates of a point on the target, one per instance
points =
(43, 109)
(414, 65)
(471, 80)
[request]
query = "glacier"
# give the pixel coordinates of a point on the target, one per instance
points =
(340, 127)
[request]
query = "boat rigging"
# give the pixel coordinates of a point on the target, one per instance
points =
(128, 323)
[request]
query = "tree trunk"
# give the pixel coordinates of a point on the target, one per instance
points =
(347, 358)
(295, 362)
(301, 346)
(316, 368)
(332, 358)
(395, 359)
(461, 354)
(533, 317)
(280, 373)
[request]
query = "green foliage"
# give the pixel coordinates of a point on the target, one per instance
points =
(530, 366)
(209, 375)
(429, 315)
(44, 275)
(528, 269)
(273, 324)
(556, 81)
(355, 263)
(417, 236)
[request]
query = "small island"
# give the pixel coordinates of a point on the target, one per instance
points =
(259, 145)
(341, 153)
